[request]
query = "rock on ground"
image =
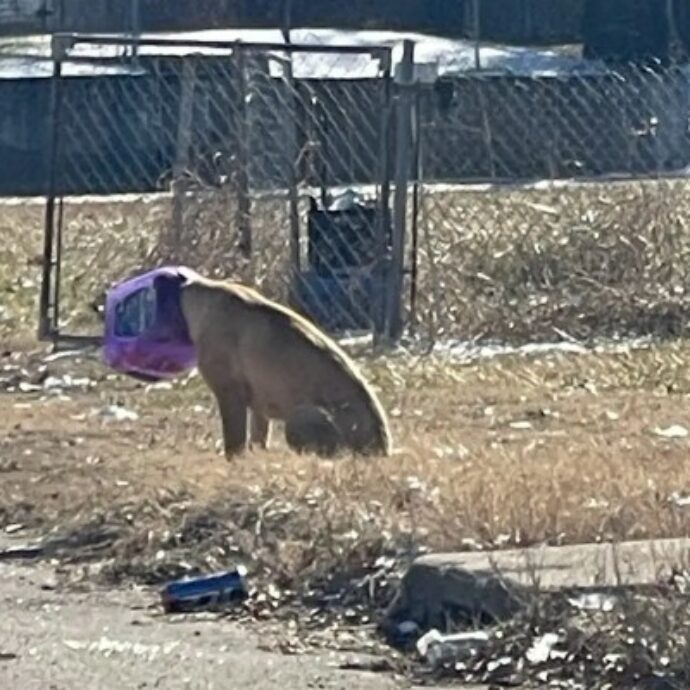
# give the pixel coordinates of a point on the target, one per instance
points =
(493, 584)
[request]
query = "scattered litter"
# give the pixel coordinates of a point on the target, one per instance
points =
(21, 552)
(437, 648)
(349, 199)
(15, 527)
(53, 382)
(541, 648)
(596, 504)
(594, 601)
(404, 634)
(158, 386)
(543, 208)
(193, 594)
(25, 387)
(108, 647)
(64, 354)
(74, 645)
(378, 665)
(673, 431)
(413, 483)
(471, 544)
(680, 500)
(613, 659)
(67, 381)
(407, 628)
(521, 425)
(274, 592)
(119, 414)
(8, 656)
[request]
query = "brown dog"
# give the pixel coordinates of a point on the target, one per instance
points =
(262, 358)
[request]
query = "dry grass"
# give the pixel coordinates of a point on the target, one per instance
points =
(107, 241)
(588, 259)
(518, 264)
(510, 451)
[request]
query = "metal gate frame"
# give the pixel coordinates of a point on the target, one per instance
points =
(49, 328)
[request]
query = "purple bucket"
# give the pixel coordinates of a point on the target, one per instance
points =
(146, 334)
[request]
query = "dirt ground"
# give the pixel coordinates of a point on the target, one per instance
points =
(515, 450)
(113, 639)
(127, 483)
(577, 439)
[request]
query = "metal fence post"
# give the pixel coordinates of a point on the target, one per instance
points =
(384, 220)
(293, 154)
(135, 11)
(46, 320)
(184, 139)
(243, 209)
(403, 160)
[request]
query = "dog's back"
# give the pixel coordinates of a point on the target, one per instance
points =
(284, 360)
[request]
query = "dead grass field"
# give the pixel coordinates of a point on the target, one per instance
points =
(512, 451)
(515, 450)
(518, 264)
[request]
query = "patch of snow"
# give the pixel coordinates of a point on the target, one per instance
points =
(472, 351)
(447, 55)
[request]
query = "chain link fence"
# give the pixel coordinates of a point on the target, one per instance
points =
(533, 207)
(260, 163)
(572, 218)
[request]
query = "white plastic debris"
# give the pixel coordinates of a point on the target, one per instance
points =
(437, 648)
(119, 414)
(673, 431)
(158, 386)
(680, 500)
(540, 651)
(25, 387)
(346, 201)
(594, 602)
(407, 629)
(108, 647)
(64, 354)
(66, 381)
(521, 425)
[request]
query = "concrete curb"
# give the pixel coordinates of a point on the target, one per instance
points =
(494, 584)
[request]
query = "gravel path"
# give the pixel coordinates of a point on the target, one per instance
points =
(102, 640)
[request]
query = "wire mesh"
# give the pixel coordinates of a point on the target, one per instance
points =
(554, 207)
(539, 207)
(244, 162)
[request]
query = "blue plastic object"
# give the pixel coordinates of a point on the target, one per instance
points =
(206, 591)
